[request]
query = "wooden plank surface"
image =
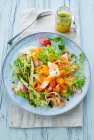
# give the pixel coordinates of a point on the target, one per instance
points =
(9, 18)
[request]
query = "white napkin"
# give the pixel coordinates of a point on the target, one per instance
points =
(19, 117)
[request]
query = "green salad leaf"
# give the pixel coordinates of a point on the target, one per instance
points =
(36, 98)
(61, 46)
(59, 39)
(49, 54)
(23, 94)
(81, 58)
(56, 39)
(79, 82)
(74, 58)
(65, 94)
(68, 92)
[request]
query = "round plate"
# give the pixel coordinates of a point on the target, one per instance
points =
(22, 102)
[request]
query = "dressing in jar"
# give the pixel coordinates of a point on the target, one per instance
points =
(63, 19)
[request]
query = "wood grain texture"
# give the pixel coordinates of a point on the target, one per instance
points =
(9, 18)
(87, 25)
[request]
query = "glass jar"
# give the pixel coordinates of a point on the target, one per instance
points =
(63, 19)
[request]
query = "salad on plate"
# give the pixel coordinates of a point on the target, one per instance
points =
(48, 74)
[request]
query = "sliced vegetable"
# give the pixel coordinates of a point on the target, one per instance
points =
(31, 73)
(41, 40)
(47, 43)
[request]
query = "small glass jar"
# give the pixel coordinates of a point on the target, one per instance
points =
(63, 19)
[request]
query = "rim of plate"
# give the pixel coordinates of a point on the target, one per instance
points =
(17, 103)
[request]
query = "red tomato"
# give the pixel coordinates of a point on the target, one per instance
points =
(47, 43)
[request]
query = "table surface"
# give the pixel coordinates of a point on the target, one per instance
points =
(9, 21)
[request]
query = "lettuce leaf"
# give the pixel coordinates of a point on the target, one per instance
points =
(79, 83)
(49, 54)
(60, 41)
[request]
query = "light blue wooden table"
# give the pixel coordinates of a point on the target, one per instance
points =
(9, 19)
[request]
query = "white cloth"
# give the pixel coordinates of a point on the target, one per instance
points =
(20, 118)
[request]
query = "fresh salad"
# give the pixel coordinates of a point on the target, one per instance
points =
(48, 75)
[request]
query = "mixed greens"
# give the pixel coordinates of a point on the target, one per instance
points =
(49, 54)
(47, 76)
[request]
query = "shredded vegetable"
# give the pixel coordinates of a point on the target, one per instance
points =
(46, 76)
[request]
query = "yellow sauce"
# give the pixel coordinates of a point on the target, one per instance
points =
(63, 22)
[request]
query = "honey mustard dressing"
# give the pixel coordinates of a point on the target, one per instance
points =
(63, 21)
